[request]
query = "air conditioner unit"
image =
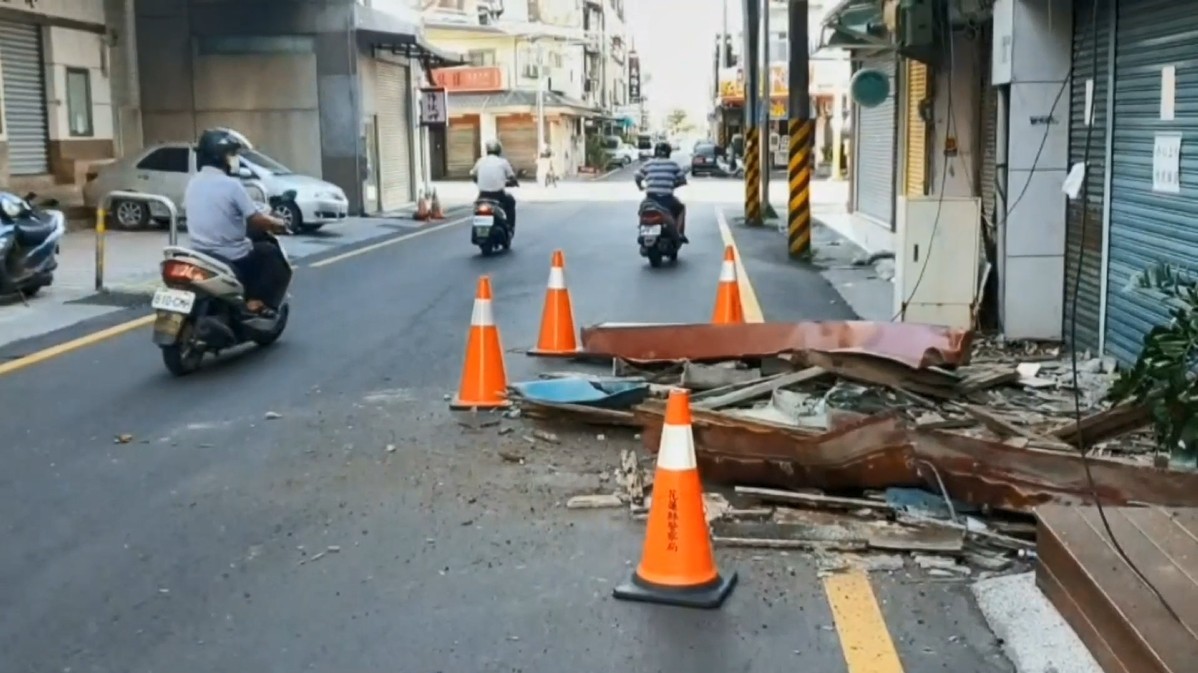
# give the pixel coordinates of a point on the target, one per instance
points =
(937, 260)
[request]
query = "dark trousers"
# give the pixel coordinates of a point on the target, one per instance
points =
(263, 274)
(675, 206)
(509, 205)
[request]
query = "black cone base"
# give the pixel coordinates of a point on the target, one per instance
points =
(707, 596)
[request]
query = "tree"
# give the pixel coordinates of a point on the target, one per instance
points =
(677, 122)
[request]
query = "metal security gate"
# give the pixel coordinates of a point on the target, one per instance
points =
(1148, 227)
(874, 154)
(25, 117)
(462, 147)
(916, 91)
(1084, 79)
(988, 175)
(518, 135)
(393, 96)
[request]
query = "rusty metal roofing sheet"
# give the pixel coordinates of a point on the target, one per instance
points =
(914, 345)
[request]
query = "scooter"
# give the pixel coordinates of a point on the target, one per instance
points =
(489, 228)
(658, 234)
(202, 309)
(29, 239)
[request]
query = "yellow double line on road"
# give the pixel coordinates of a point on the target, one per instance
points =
(144, 321)
(864, 637)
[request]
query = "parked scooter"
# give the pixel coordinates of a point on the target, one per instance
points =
(202, 308)
(29, 238)
(489, 228)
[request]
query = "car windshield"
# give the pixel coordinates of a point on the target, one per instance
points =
(705, 150)
(262, 161)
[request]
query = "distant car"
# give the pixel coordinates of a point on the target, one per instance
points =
(165, 170)
(623, 155)
(703, 159)
(644, 145)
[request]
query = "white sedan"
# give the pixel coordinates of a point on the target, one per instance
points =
(165, 170)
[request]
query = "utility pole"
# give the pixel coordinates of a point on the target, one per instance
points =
(801, 127)
(752, 132)
(767, 103)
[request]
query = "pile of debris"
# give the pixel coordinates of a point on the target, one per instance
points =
(872, 413)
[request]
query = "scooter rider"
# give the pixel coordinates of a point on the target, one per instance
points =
(659, 177)
(218, 213)
(491, 173)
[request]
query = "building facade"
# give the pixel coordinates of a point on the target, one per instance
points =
(60, 89)
(1067, 121)
(328, 88)
(558, 62)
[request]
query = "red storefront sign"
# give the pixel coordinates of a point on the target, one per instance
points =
(488, 78)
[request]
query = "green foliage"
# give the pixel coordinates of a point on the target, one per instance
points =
(677, 122)
(1163, 377)
(595, 156)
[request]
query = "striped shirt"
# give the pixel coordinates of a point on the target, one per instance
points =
(660, 176)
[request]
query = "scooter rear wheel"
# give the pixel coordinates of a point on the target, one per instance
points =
(281, 324)
(180, 357)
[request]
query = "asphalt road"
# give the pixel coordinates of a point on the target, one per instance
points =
(367, 528)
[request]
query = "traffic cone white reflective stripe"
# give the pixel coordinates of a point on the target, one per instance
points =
(483, 315)
(728, 272)
(677, 450)
(557, 278)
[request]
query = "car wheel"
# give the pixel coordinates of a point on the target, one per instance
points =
(131, 214)
(292, 217)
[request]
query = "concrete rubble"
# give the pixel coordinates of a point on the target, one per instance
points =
(872, 442)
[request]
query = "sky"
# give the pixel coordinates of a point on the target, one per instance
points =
(675, 41)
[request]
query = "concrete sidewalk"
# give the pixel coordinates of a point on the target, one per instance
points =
(131, 272)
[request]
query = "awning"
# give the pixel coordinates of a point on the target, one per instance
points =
(518, 99)
(402, 35)
(855, 24)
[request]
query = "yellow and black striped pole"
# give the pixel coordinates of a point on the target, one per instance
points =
(802, 136)
(798, 211)
(752, 176)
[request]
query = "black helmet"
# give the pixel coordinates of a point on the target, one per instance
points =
(663, 150)
(216, 146)
(493, 147)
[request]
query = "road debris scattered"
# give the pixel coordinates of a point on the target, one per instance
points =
(889, 445)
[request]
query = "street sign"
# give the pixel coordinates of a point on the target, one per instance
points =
(434, 107)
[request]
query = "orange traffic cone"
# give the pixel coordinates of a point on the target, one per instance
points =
(677, 565)
(437, 213)
(421, 208)
(558, 336)
(484, 377)
(728, 309)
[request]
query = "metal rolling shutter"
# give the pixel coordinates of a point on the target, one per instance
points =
(461, 147)
(988, 175)
(875, 150)
(1089, 292)
(395, 135)
(24, 98)
(1147, 227)
(518, 135)
(917, 128)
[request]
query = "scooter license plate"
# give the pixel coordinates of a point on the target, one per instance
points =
(651, 230)
(174, 301)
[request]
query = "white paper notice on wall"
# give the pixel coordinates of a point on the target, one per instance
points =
(1089, 102)
(1166, 163)
(1168, 93)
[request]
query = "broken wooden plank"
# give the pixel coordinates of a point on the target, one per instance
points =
(780, 543)
(1104, 425)
(760, 389)
(981, 377)
(794, 497)
(880, 371)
